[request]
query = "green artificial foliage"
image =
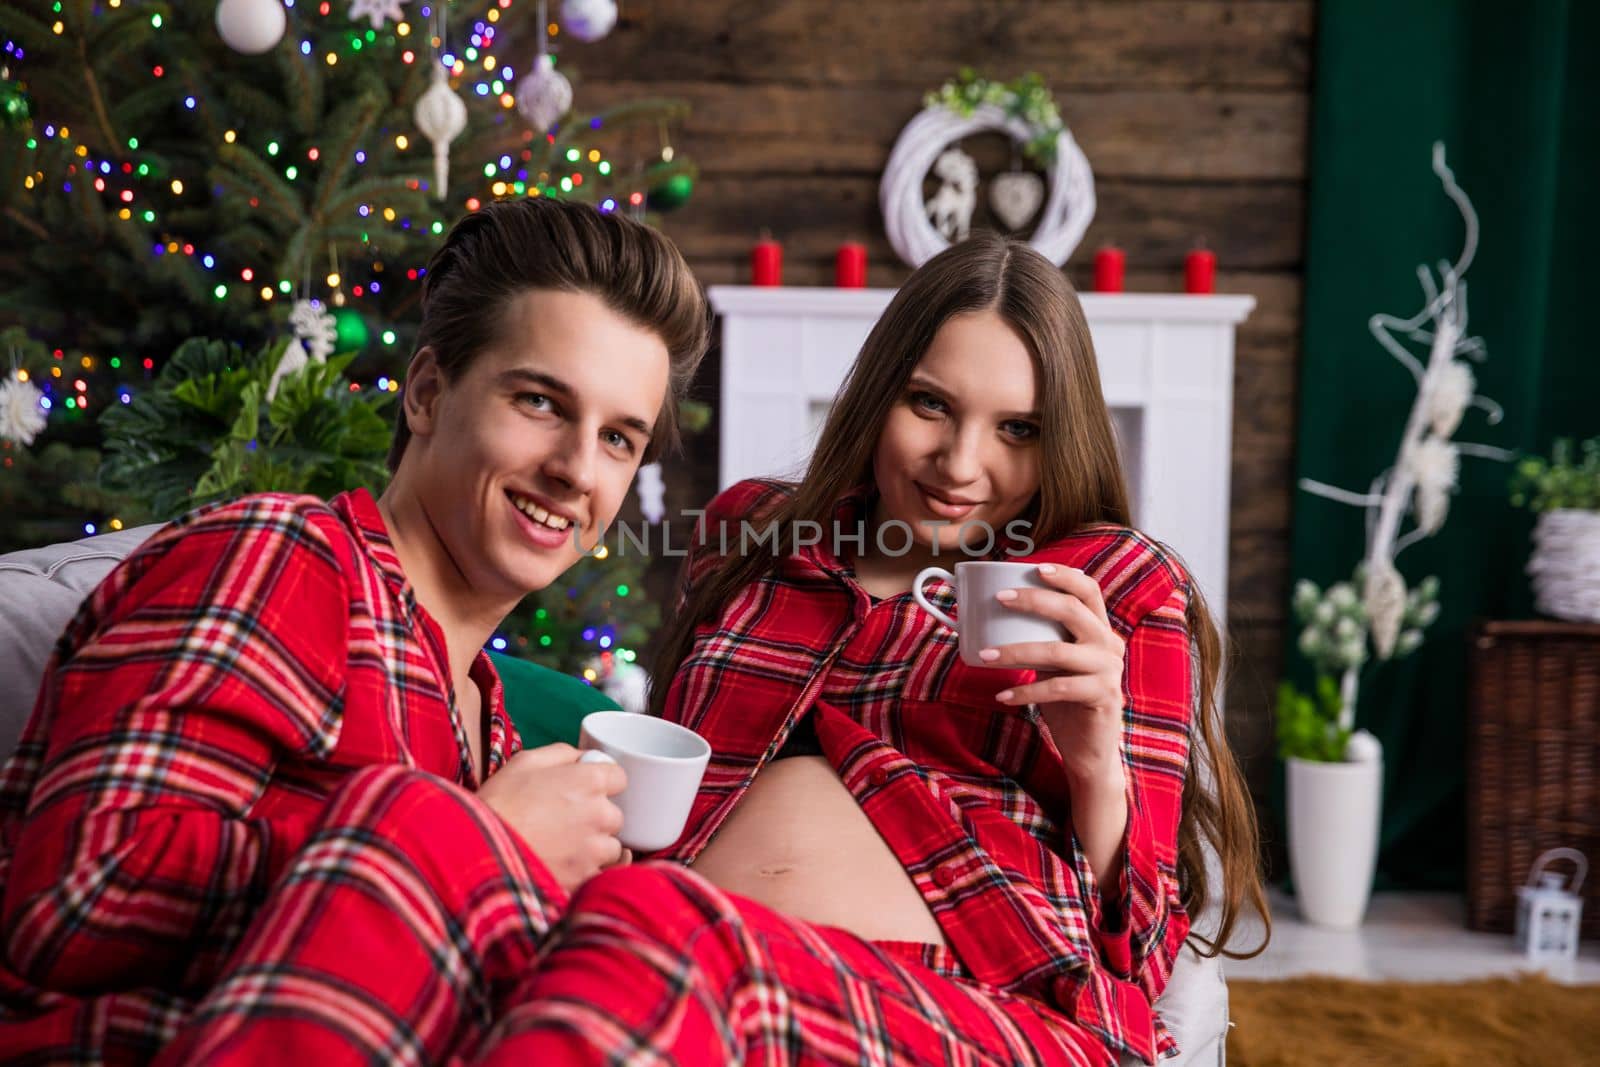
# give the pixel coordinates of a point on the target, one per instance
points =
(206, 431)
(1027, 98)
(1562, 482)
(1308, 723)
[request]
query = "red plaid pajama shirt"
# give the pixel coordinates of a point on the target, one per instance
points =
(195, 717)
(239, 828)
(970, 795)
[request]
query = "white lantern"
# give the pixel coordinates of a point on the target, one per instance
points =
(1549, 909)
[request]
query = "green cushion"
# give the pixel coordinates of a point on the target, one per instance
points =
(546, 705)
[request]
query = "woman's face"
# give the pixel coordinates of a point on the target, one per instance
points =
(961, 444)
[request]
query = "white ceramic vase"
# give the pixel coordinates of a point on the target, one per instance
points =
(1333, 838)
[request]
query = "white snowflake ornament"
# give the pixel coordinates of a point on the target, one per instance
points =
(544, 94)
(377, 12)
(22, 416)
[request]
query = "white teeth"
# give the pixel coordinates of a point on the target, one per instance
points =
(539, 514)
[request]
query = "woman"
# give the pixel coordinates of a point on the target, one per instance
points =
(1029, 829)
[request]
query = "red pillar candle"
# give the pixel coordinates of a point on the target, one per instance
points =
(850, 266)
(1108, 265)
(1200, 271)
(766, 262)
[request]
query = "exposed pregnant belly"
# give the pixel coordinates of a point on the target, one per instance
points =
(798, 842)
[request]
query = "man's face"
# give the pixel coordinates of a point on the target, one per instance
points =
(533, 447)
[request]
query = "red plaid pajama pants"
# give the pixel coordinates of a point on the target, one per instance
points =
(412, 928)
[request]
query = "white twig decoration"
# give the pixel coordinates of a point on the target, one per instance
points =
(1423, 476)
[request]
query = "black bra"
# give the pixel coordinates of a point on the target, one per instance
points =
(802, 740)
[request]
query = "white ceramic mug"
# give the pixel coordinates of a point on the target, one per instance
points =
(982, 621)
(664, 763)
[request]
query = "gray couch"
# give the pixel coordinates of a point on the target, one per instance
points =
(41, 588)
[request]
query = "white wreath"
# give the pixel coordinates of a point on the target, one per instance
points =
(1067, 213)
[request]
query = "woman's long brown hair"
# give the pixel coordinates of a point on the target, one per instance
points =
(1082, 484)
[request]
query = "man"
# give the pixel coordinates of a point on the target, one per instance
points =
(278, 696)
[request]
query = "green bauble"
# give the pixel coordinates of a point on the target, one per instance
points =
(671, 194)
(351, 333)
(15, 106)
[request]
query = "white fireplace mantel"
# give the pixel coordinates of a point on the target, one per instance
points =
(1166, 368)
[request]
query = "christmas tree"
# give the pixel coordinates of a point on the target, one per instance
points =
(176, 177)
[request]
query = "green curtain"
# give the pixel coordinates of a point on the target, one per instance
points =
(1511, 90)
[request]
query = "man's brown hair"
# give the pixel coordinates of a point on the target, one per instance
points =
(513, 246)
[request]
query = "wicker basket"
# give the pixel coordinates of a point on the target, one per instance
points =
(1533, 761)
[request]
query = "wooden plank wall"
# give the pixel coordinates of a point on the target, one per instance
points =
(1193, 116)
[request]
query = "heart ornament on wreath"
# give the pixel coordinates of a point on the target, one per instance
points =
(1024, 111)
(1014, 196)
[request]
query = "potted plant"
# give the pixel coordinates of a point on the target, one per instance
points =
(1564, 491)
(1335, 772)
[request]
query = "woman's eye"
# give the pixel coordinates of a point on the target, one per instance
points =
(1019, 430)
(927, 402)
(619, 440)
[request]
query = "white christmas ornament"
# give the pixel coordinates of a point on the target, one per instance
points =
(652, 493)
(441, 116)
(292, 362)
(950, 209)
(377, 12)
(544, 94)
(588, 20)
(21, 416)
(313, 326)
(629, 685)
(1015, 196)
(251, 26)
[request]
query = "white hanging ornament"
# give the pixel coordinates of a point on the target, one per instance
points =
(652, 493)
(251, 26)
(292, 362)
(1015, 196)
(588, 20)
(544, 94)
(626, 683)
(315, 328)
(441, 116)
(21, 415)
(950, 209)
(377, 12)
